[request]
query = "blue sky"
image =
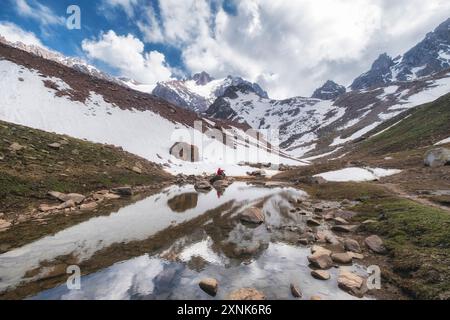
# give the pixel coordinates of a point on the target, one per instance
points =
(289, 47)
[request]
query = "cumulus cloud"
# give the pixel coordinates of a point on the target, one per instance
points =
(34, 10)
(291, 47)
(14, 33)
(127, 55)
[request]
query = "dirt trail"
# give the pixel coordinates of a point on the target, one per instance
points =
(403, 194)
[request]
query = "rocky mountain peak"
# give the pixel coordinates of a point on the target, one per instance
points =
(329, 91)
(202, 78)
(379, 74)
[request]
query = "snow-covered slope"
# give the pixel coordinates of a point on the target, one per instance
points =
(114, 115)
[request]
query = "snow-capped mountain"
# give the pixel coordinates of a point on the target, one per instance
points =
(198, 92)
(329, 91)
(429, 56)
(38, 93)
(332, 118)
(71, 62)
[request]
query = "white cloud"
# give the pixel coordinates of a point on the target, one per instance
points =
(34, 10)
(14, 33)
(291, 47)
(127, 54)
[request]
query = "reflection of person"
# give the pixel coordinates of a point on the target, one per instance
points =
(219, 193)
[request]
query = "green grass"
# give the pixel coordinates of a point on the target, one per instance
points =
(425, 125)
(78, 166)
(418, 240)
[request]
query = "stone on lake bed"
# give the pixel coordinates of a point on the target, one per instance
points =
(209, 285)
(351, 283)
(320, 260)
(295, 291)
(320, 274)
(246, 294)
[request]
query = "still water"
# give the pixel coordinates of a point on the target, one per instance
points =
(162, 246)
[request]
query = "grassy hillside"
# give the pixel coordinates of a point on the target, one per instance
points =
(424, 126)
(32, 162)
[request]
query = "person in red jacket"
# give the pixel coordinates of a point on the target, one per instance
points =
(220, 172)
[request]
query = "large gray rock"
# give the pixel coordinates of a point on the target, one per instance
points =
(437, 157)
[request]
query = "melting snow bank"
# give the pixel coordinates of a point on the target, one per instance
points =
(357, 174)
(443, 142)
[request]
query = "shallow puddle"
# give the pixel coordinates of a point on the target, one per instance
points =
(162, 246)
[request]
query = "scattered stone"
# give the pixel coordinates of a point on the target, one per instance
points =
(15, 147)
(202, 185)
(137, 170)
(437, 157)
(209, 285)
(54, 145)
(375, 244)
(346, 202)
(320, 274)
(340, 221)
(351, 283)
(342, 258)
(253, 215)
(296, 293)
(47, 208)
(320, 260)
(365, 222)
(319, 249)
(88, 206)
(355, 255)
(246, 294)
(123, 191)
(313, 222)
(344, 228)
(111, 196)
(318, 180)
(4, 225)
(257, 173)
(352, 245)
(67, 204)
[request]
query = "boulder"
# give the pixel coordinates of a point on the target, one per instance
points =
(136, 170)
(123, 191)
(375, 244)
(209, 285)
(246, 294)
(185, 152)
(253, 215)
(437, 157)
(352, 245)
(77, 198)
(342, 258)
(202, 185)
(351, 283)
(320, 274)
(296, 293)
(319, 249)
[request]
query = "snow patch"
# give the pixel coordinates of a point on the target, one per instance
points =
(357, 174)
